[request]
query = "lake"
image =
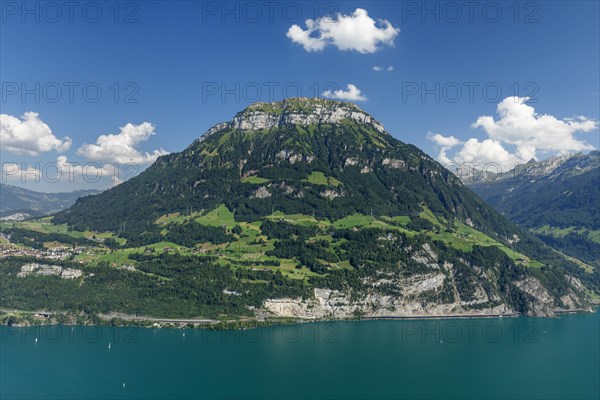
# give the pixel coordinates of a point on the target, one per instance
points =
(456, 358)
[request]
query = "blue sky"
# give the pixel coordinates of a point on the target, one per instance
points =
(167, 63)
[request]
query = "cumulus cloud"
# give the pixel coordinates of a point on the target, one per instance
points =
(122, 147)
(488, 151)
(29, 135)
(351, 94)
(445, 143)
(354, 32)
(520, 125)
(378, 68)
(517, 135)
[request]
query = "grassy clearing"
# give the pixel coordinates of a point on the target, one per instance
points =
(366, 221)
(593, 235)
(251, 246)
(402, 219)
(119, 257)
(319, 178)
(45, 225)
(255, 179)
(359, 220)
(586, 267)
(300, 219)
(221, 216)
(176, 218)
(464, 238)
(429, 216)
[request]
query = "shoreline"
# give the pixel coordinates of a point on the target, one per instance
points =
(124, 320)
(445, 316)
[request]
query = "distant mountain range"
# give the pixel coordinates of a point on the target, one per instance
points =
(558, 199)
(20, 203)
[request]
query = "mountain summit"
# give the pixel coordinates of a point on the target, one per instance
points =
(301, 111)
(319, 189)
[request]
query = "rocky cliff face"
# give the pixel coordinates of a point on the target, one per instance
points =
(297, 111)
(436, 293)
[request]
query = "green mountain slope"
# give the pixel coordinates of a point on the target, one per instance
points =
(308, 208)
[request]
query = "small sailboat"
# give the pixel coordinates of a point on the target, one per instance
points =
(109, 345)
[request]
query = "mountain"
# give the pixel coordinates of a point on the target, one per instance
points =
(558, 199)
(27, 202)
(305, 208)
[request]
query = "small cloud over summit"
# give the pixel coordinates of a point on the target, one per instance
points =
(351, 94)
(377, 68)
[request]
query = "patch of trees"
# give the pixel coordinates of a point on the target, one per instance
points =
(420, 224)
(576, 245)
(172, 285)
(187, 234)
(285, 230)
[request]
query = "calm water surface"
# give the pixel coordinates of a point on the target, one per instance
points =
(478, 359)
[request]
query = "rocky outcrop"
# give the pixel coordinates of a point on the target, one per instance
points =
(296, 111)
(261, 193)
(414, 295)
(334, 304)
(434, 292)
(393, 163)
(330, 194)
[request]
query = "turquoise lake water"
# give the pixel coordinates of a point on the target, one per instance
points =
(477, 358)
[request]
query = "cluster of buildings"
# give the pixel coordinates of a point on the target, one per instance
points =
(49, 270)
(52, 254)
(59, 252)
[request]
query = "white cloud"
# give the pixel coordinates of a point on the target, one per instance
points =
(485, 152)
(357, 32)
(378, 68)
(516, 136)
(122, 147)
(521, 126)
(351, 94)
(29, 135)
(445, 143)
